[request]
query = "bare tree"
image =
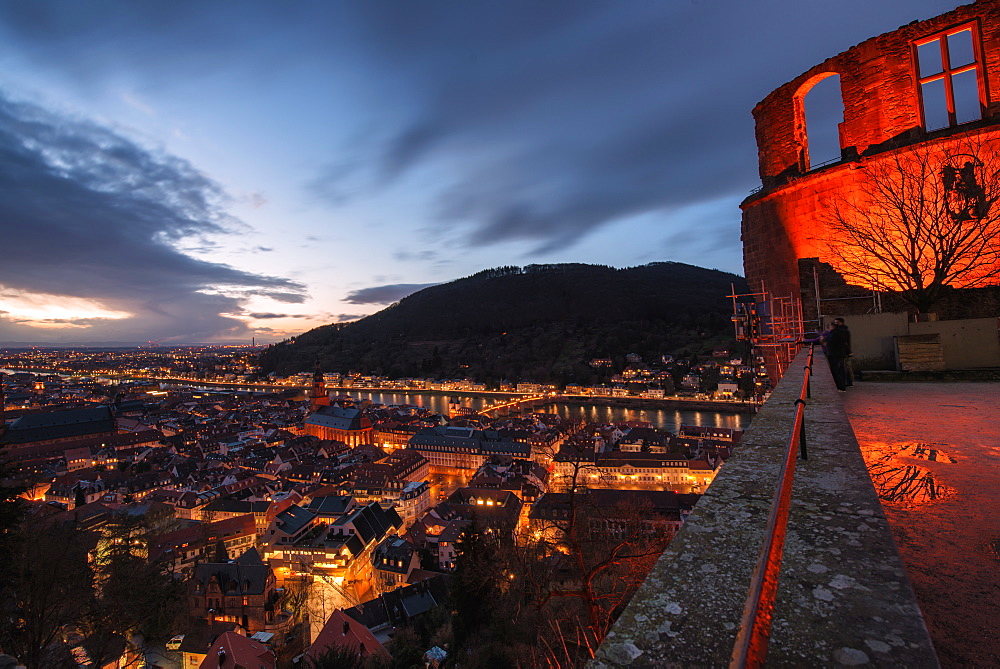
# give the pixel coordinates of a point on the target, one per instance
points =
(921, 221)
(602, 551)
(134, 599)
(48, 591)
(583, 557)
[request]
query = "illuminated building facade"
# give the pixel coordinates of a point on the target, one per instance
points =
(337, 553)
(635, 471)
(928, 88)
(338, 423)
(240, 591)
(448, 448)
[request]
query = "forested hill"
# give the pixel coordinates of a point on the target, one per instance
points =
(540, 322)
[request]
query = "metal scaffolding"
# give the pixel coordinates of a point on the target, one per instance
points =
(773, 326)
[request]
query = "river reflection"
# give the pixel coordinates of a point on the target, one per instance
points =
(665, 419)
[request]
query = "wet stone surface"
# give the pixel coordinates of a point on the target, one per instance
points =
(843, 598)
(933, 451)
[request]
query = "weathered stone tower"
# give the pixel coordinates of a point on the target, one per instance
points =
(929, 85)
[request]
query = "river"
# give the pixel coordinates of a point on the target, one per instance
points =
(665, 419)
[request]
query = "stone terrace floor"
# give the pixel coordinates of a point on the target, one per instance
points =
(933, 450)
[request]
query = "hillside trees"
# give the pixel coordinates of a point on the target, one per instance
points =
(549, 599)
(582, 561)
(135, 596)
(479, 580)
(543, 323)
(344, 658)
(11, 512)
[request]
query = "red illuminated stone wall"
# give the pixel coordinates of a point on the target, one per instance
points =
(784, 221)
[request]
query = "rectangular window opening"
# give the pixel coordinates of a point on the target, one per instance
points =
(966, 92)
(935, 105)
(950, 77)
(960, 49)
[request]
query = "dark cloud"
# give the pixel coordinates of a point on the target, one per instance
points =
(408, 147)
(711, 242)
(338, 183)
(87, 213)
(346, 318)
(554, 119)
(265, 315)
(527, 122)
(418, 256)
(287, 298)
(182, 38)
(605, 126)
(384, 294)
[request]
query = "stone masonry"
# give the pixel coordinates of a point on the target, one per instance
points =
(784, 221)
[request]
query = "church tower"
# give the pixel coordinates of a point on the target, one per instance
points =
(318, 397)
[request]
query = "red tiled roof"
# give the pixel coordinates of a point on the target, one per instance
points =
(204, 533)
(239, 652)
(341, 631)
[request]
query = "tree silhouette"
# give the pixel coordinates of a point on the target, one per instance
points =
(47, 588)
(920, 222)
(579, 562)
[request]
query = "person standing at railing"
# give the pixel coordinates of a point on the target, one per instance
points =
(838, 350)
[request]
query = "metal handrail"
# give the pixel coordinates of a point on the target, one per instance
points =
(829, 161)
(750, 649)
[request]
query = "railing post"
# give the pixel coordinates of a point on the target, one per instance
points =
(809, 369)
(802, 430)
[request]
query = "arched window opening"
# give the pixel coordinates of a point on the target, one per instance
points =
(824, 113)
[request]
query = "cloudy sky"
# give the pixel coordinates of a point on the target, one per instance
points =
(215, 171)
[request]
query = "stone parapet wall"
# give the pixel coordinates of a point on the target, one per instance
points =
(843, 597)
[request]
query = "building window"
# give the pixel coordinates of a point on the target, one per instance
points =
(950, 77)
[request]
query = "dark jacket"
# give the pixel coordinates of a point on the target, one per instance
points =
(838, 342)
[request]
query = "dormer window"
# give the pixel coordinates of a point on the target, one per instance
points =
(950, 77)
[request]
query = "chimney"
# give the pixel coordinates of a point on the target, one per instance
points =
(347, 628)
(222, 657)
